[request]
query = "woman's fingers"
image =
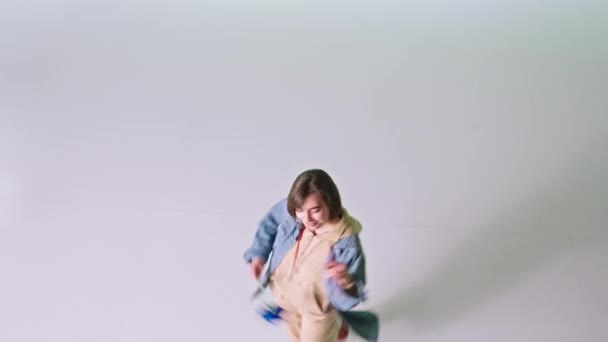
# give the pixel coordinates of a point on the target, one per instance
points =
(335, 270)
(254, 271)
(256, 267)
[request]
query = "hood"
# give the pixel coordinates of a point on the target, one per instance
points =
(347, 226)
(353, 226)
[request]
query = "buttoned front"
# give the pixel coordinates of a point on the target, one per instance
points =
(299, 277)
(298, 288)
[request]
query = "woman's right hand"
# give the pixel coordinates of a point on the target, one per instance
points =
(256, 267)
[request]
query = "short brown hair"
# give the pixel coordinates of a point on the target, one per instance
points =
(315, 181)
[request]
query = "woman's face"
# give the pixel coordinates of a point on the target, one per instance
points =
(313, 213)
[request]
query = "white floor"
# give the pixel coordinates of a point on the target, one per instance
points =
(77, 273)
(140, 144)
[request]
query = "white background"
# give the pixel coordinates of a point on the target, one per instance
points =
(140, 143)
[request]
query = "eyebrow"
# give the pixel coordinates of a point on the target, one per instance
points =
(316, 207)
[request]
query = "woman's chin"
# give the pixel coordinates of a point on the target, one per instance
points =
(312, 227)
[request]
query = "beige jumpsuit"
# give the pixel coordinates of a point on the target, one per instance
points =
(298, 287)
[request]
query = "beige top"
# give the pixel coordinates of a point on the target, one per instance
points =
(299, 285)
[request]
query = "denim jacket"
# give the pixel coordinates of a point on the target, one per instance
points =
(276, 235)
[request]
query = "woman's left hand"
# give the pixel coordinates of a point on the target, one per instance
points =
(338, 273)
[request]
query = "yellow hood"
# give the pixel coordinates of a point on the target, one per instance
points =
(347, 226)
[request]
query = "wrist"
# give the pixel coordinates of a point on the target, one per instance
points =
(348, 283)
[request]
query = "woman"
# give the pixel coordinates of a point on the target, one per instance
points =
(316, 264)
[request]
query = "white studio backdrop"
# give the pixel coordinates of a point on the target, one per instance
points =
(140, 143)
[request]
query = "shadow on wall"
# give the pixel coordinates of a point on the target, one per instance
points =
(482, 267)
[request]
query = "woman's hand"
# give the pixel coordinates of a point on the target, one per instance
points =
(338, 273)
(256, 267)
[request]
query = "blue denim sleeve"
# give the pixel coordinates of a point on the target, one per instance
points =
(354, 258)
(266, 232)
